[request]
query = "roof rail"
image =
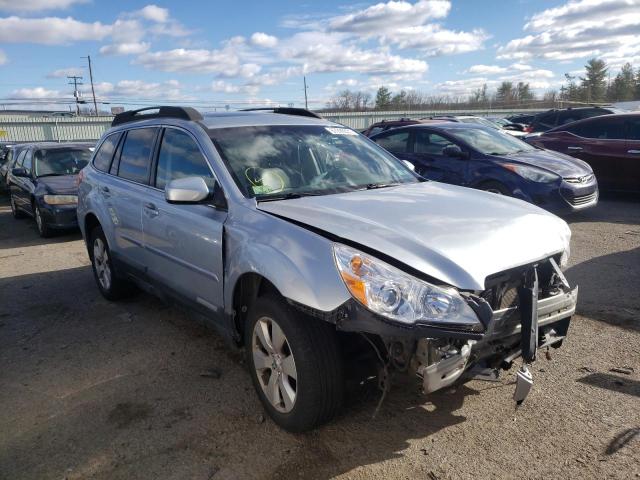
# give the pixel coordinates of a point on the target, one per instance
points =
(302, 112)
(183, 113)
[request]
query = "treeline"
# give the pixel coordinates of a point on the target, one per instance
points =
(595, 87)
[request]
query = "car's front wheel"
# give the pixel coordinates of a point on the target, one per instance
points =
(295, 364)
(495, 187)
(43, 229)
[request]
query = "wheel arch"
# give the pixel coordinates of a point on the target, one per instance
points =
(248, 287)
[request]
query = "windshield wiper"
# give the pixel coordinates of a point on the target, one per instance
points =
(288, 196)
(372, 186)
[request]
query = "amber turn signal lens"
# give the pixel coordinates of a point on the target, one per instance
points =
(356, 287)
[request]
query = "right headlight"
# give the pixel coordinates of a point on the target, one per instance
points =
(532, 173)
(394, 294)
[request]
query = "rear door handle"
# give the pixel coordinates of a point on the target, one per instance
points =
(633, 151)
(105, 191)
(575, 149)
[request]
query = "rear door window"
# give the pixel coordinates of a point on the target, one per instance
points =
(135, 159)
(104, 155)
(430, 143)
(600, 128)
(180, 157)
(634, 129)
(20, 158)
(394, 142)
(28, 161)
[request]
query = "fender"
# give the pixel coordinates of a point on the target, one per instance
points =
(306, 275)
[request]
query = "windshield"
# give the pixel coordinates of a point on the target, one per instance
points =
(480, 121)
(60, 161)
(491, 141)
(275, 161)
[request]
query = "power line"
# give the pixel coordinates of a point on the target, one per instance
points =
(76, 94)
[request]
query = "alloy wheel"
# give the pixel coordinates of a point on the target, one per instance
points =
(274, 364)
(39, 219)
(101, 263)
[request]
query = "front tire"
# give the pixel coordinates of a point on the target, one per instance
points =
(43, 229)
(495, 187)
(110, 284)
(295, 364)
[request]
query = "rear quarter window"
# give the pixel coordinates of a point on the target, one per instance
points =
(104, 155)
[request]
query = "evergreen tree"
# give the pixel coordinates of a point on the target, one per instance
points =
(624, 85)
(594, 83)
(383, 98)
(523, 92)
(505, 92)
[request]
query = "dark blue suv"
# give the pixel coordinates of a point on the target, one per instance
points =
(487, 159)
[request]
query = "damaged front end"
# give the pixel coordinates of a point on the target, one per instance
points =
(521, 311)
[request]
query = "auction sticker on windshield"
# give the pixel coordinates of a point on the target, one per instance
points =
(340, 131)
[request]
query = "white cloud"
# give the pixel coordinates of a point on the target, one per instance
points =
(37, 5)
(66, 72)
(578, 29)
(34, 93)
(154, 13)
(434, 40)
(386, 17)
(260, 39)
(50, 30)
(3, 58)
(486, 69)
(137, 89)
(319, 52)
(224, 62)
(226, 87)
(134, 48)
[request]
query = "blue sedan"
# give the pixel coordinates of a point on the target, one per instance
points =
(487, 159)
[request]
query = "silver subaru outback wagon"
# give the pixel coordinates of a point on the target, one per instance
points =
(322, 255)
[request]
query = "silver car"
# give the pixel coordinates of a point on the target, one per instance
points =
(322, 255)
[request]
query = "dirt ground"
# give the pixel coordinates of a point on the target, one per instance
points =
(92, 389)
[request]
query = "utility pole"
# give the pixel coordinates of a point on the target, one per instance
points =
(76, 94)
(93, 91)
(306, 105)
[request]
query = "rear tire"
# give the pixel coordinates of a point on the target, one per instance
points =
(295, 364)
(495, 187)
(112, 286)
(14, 209)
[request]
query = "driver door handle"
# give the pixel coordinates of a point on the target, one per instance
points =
(151, 210)
(575, 149)
(633, 151)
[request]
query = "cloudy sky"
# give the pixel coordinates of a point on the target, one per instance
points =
(217, 52)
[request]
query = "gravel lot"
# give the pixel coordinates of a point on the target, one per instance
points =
(92, 389)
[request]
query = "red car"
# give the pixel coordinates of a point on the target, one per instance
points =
(609, 143)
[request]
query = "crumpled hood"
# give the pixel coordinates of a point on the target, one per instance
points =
(454, 234)
(556, 162)
(62, 185)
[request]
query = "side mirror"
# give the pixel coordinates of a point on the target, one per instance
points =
(186, 190)
(19, 172)
(454, 151)
(409, 165)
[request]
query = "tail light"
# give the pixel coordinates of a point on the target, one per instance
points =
(528, 129)
(80, 177)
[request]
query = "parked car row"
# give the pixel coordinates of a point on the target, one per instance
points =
(42, 183)
(322, 255)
